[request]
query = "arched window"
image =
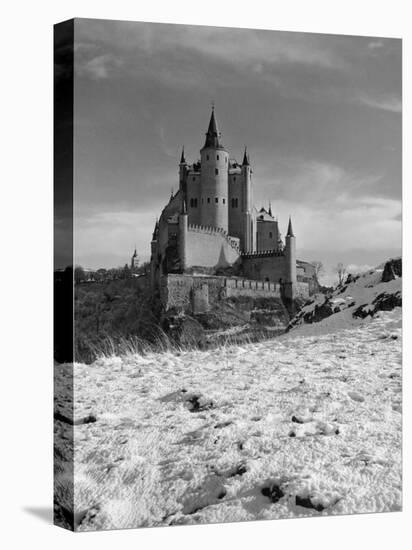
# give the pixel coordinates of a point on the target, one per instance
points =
(270, 235)
(216, 171)
(224, 201)
(208, 200)
(217, 157)
(216, 200)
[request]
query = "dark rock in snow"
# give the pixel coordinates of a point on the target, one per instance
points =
(392, 269)
(273, 492)
(306, 502)
(75, 421)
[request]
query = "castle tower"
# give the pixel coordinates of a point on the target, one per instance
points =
(290, 258)
(182, 237)
(183, 175)
(249, 239)
(214, 179)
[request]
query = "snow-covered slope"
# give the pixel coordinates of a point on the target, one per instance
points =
(360, 297)
(299, 425)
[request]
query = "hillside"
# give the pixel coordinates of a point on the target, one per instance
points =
(360, 297)
(108, 313)
(308, 423)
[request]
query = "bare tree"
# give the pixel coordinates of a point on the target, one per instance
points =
(341, 271)
(319, 269)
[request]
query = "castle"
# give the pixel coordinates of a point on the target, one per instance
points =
(210, 231)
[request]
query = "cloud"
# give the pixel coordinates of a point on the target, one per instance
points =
(392, 104)
(112, 234)
(375, 44)
(313, 182)
(97, 67)
(355, 269)
(366, 223)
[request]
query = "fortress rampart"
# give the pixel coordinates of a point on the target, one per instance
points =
(196, 294)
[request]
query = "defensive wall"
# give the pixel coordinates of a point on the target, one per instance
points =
(268, 265)
(210, 247)
(198, 293)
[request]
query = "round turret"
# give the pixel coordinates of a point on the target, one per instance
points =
(214, 179)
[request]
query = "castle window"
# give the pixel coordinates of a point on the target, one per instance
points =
(208, 200)
(270, 235)
(224, 201)
(216, 171)
(207, 157)
(235, 203)
(226, 160)
(216, 200)
(195, 203)
(234, 179)
(217, 156)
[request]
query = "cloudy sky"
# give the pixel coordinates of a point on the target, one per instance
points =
(320, 114)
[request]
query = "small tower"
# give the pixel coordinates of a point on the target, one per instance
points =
(290, 259)
(183, 174)
(154, 267)
(134, 262)
(214, 179)
(182, 237)
(249, 239)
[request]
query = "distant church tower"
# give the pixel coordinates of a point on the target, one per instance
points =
(214, 179)
(134, 262)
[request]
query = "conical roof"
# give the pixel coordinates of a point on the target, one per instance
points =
(290, 229)
(182, 158)
(213, 136)
(245, 159)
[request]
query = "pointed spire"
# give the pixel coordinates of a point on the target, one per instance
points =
(290, 230)
(270, 210)
(245, 158)
(213, 135)
(182, 158)
(156, 230)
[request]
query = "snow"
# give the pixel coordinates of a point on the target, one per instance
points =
(349, 297)
(306, 424)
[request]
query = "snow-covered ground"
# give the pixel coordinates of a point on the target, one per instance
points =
(308, 423)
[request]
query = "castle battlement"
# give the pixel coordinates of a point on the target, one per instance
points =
(263, 254)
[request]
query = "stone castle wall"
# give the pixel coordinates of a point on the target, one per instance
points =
(190, 293)
(265, 267)
(208, 247)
